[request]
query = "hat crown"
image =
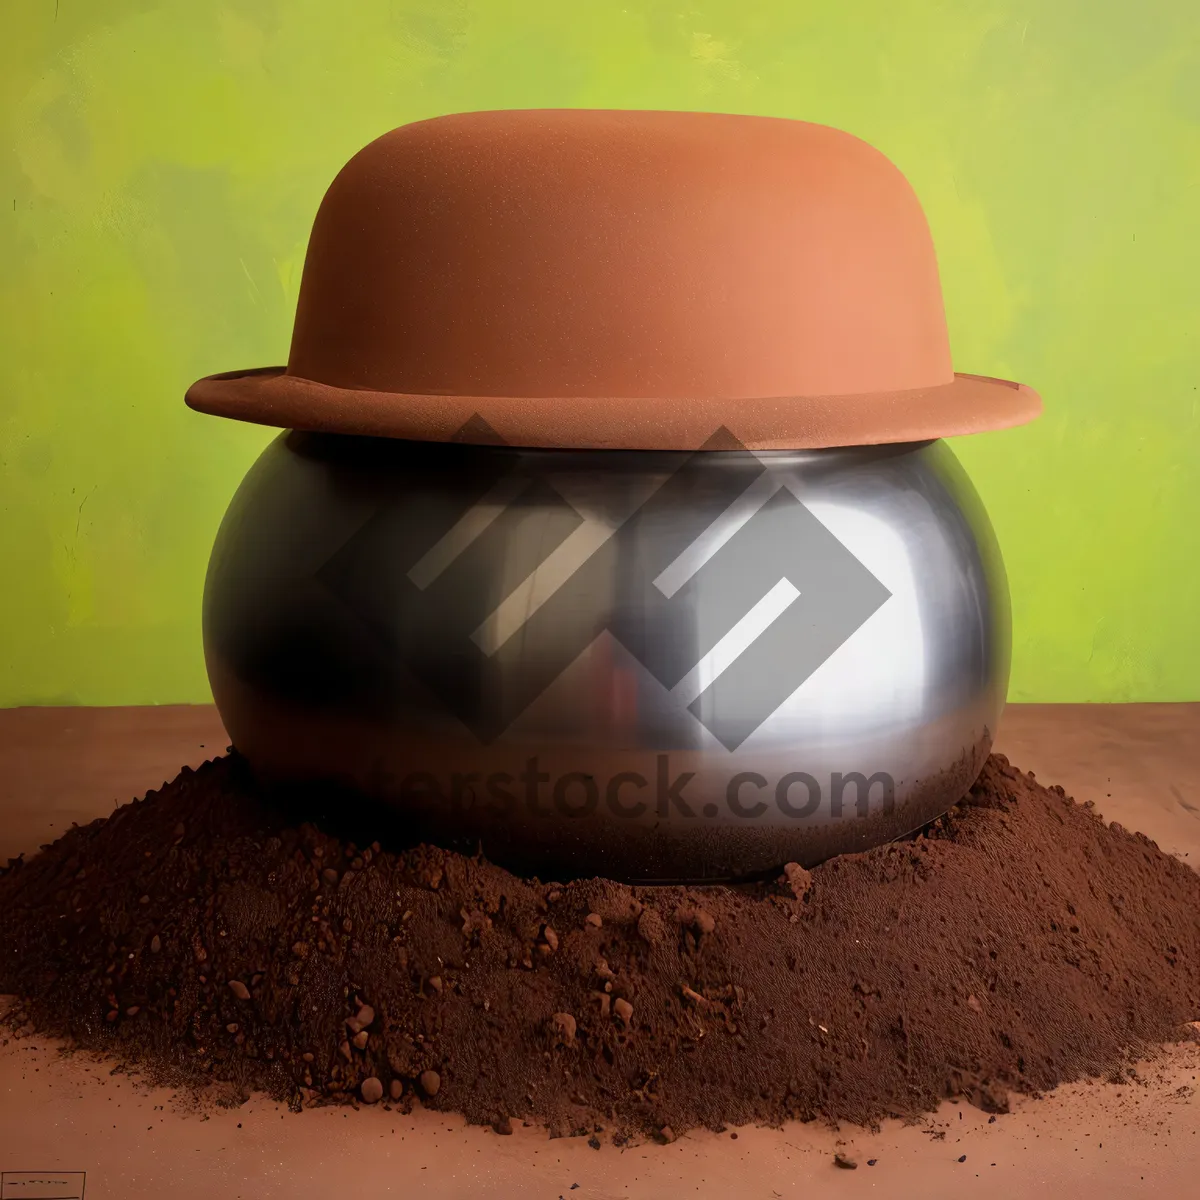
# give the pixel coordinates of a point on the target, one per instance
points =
(585, 253)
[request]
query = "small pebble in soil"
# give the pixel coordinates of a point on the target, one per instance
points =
(239, 989)
(650, 927)
(371, 1090)
(430, 1082)
(797, 880)
(703, 922)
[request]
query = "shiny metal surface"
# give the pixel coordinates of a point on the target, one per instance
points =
(646, 665)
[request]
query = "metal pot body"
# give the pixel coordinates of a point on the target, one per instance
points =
(652, 666)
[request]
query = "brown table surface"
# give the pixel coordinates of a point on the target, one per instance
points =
(1139, 763)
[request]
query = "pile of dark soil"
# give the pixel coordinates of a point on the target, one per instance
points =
(1017, 943)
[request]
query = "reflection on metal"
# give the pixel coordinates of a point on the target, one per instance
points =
(377, 611)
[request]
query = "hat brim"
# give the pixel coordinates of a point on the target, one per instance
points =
(270, 396)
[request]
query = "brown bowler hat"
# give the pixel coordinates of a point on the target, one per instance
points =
(583, 278)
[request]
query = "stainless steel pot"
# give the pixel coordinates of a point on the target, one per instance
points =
(652, 666)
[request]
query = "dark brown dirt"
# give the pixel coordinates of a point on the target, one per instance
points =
(1017, 943)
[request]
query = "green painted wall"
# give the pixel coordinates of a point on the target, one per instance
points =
(161, 162)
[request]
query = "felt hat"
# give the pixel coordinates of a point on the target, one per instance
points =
(620, 279)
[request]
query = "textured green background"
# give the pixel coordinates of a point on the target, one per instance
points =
(161, 162)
